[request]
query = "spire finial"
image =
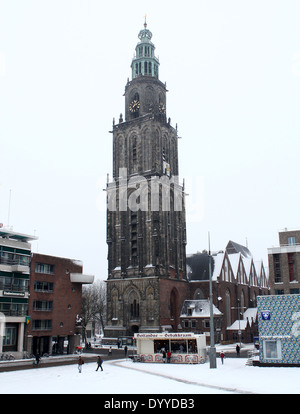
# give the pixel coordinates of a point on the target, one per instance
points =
(145, 24)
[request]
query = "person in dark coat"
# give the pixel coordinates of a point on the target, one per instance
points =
(237, 350)
(37, 359)
(80, 363)
(110, 351)
(99, 363)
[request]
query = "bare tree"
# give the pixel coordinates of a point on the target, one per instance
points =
(93, 305)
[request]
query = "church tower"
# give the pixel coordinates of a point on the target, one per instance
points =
(146, 228)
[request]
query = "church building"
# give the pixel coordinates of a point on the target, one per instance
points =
(146, 225)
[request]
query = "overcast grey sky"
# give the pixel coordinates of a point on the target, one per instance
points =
(232, 69)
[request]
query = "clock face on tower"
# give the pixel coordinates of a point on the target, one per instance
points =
(134, 106)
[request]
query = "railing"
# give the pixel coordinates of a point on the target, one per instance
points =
(289, 245)
(11, 287)
(14, 312)
(17, 261)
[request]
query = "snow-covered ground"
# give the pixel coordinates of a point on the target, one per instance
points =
(127, 377)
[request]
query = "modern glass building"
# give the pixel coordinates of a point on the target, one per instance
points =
(15, 257)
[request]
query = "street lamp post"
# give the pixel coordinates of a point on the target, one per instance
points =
(239, 308)
(212, 350)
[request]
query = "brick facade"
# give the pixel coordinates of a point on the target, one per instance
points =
(53, 305)
(284, 264)
(236, 283)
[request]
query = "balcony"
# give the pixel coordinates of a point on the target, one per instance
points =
(81, 278)
(17, 264)
(285, 248)
(14, 285)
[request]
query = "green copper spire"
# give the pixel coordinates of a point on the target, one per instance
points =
(144, 62)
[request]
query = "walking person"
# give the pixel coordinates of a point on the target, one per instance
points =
(169, 356)
(125, 351)
(237, 350)
(80, 363)
(164, 354)
(110, 351)
(99, 363)
(222, 356)
(37, 359)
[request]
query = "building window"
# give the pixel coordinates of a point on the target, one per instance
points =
(228, 308)
(10, 258)
(134, 306)
(134, 309)
(42, 305)
(206, 323)
(43, 286)
(277, 271)
(134, 250)
(40, 325)
(291, 262)
(10, 283)
(44, 268)
(291, 241)
(14, 309)
(272, 349)
(134, 150)
(10, 337)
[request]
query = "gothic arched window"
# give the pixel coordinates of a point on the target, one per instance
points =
(114, 300)
(134, 305)
(228, 308)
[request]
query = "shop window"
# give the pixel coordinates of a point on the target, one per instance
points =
(160, 344)
(178, 347)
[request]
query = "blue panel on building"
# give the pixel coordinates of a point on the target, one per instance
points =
(279, 329)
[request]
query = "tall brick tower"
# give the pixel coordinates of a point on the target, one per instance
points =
(146, 227)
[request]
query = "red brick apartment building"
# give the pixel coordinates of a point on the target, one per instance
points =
(54, 304)
(284, 264)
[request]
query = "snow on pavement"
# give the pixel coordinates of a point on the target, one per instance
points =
(113, 380)
(127, 377)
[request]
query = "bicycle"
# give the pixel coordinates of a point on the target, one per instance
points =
(27, 355)
(7, 357)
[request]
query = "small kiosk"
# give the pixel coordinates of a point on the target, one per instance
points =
(186, 348)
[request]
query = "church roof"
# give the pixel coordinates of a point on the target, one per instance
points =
(198, 263)
(233, 247)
